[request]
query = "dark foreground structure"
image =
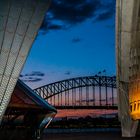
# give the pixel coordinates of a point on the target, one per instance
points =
(88, 136)
(23, 114)
(26, 116)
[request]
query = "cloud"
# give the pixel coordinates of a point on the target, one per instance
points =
(63, 14)
(107, 13)
(76, 40)
(67, 73)
(21, 76)
(51, 26)
(34, 76)
(35, 73)
(74, 11)
(32, 80)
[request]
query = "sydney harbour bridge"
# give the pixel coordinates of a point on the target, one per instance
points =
(91, 92)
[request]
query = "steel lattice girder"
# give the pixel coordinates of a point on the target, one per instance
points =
(20, 21)
(52, 89)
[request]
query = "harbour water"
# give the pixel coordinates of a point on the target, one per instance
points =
(87, 136)
(78, 130)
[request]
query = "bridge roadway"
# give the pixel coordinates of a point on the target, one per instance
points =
(87, 107)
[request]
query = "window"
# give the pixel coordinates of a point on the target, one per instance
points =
(138, 107)
(134, 106)
(131, 108)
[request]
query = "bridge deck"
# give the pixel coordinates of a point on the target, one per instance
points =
(87, 107)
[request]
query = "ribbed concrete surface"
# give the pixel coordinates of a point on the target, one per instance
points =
(19, 24)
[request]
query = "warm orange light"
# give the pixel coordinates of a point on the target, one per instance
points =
(134, 99)
(135, 110)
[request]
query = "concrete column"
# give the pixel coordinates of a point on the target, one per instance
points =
(126, 26)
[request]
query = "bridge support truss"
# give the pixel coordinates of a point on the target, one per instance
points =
(127, 24)
(91, 92)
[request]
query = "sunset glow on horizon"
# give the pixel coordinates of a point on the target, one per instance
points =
(83, 113)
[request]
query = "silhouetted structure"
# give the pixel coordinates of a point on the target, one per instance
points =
(26, 116)
(91, 92)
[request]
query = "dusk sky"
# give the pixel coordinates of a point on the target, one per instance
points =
(77, 38)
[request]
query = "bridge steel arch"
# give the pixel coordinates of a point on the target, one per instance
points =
(53, 89)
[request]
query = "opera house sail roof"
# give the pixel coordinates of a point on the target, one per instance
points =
(20, 21)
(27, 115)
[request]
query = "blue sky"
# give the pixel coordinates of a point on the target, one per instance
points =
(78, 41)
